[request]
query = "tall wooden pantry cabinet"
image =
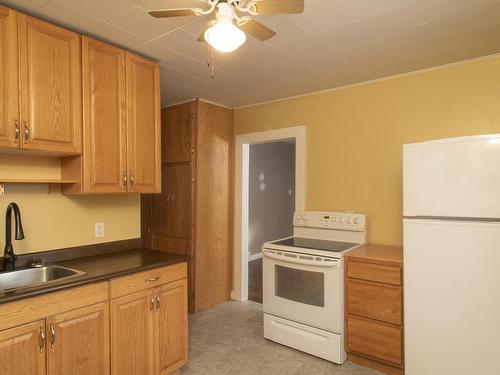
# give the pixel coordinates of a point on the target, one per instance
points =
(193, 213)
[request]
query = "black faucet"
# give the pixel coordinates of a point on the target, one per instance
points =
(9, 259)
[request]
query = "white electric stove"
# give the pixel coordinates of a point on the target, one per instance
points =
(303, 296)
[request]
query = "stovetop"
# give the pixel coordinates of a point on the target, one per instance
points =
(315, 244)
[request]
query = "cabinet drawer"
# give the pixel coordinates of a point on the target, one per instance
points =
(122, 286)
(376, 340)
(374, 301)
(374, 272)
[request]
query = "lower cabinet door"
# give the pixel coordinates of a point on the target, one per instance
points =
(78, 341)
(22, 350)
(172, 326)
(132, 335)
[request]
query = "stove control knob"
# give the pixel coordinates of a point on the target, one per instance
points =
(348, 220)
(342, 220)
(356, 221)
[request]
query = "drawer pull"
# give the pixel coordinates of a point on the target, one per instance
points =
(157, 301)
(153, 279)
(151, 304)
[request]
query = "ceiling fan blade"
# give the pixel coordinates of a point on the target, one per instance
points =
(265, 7)
(181, 12)
(255, 28)
(201, 38)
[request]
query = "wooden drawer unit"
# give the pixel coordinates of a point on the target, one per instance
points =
(374, 272)
(377, 340)
(146, 280)
(374, 307)
(379, 302)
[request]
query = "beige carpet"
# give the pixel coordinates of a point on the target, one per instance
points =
(228, 340)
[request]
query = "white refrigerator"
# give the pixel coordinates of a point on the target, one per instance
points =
(451, 209)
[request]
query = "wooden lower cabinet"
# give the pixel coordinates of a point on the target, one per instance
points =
(143, 331)
(132, 324)
(149, 330)
(22, 350)
(78, 341)
(172, 326)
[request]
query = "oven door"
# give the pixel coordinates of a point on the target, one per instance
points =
(304, 288)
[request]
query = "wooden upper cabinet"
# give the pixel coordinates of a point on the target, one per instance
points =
(9, 79)
(78, 341)
(104, 117)
(22, 350)
(172, 327)
(177, 133)
(50, 86)
(132, 334)
(143, 124)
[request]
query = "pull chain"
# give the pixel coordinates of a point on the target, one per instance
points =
(210, 62)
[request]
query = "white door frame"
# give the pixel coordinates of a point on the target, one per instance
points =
(242, 149)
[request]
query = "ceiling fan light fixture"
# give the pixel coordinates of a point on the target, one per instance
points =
(225, 36)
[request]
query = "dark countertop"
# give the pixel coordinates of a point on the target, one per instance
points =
(100, 267)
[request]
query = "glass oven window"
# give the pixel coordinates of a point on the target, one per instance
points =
(300, 286)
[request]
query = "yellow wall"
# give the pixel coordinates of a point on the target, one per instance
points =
(52, 220)
(355, 134)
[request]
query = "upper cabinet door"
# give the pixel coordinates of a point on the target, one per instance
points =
(9, 79)
(104, 117)
(78, 341)
(143, 125)
(177, 133)
(50, 78)
(22, 350)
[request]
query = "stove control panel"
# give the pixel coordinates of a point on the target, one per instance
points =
(330, 220)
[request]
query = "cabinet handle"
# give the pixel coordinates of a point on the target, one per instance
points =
(132, 179)
(153, 279)
(157, 301)
(26, 133)
(173, 200)
(52, 336)
(42, 339)
(168, 200)
(18, 131)
(151, 304)
(125, 179)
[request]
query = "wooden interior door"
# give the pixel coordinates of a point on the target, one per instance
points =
(132, 335)
(171, 213)
(22, 350)
(172, 327)
(50, 78)
(143, 125)
(177, 124)
(9, 79)
(104, 117)
(78, 341)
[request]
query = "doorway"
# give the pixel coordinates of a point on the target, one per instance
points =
(271, 203)
(269, 187)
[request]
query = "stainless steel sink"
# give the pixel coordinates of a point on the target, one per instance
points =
(30, 277)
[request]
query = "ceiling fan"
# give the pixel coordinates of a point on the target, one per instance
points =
(226, 32)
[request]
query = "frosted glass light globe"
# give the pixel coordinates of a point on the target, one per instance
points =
(225, 36)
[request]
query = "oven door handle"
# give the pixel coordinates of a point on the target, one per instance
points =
(295, 259)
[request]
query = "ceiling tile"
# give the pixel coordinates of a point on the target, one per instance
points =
(495, 33)
(393, 22)
(287, 30)
(25, 4)
(137, 21)
(103, 10)
(333, 12)
(118, 36)
(466, 45)
(157, 52)
(69, 17)
(184, 43)
(367, 8)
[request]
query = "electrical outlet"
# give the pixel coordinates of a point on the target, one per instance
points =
(99, 230)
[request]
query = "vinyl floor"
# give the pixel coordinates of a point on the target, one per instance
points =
(228, 340)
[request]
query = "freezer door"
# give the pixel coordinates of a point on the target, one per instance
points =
(459, 177)
(452, 298)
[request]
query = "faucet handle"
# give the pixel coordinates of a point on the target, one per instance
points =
(37, 263)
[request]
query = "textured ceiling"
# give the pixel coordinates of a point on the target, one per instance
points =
(333, 43)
